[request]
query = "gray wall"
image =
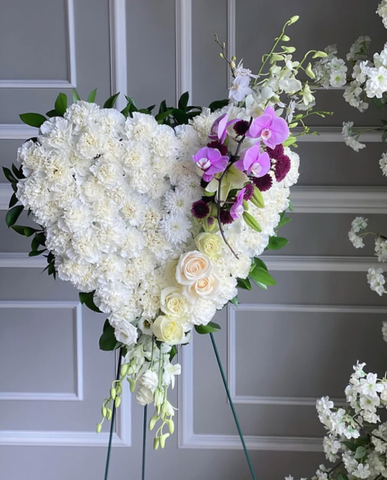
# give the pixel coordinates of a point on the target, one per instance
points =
(282, 348)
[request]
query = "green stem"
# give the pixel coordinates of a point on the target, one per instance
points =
(232, 406)
(112, 421)
(145, 428)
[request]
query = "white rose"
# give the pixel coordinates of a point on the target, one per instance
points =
(192, 267)
(126, 333)
(144, 396)
(168, 330)
(174, 304)
(209, 244)
(149, 380)
(207, 287)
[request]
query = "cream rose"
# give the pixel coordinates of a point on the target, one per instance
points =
(125, 333)
(207, 287)
(174, 304)
(209, 244)
(168, 330)
(192, 267)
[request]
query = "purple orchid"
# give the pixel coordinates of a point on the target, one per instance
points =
(219, 128)
(210, 161)
(254, 162)
(271, 129)
(237, 209)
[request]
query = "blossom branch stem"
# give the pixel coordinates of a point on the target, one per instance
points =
(335, 467)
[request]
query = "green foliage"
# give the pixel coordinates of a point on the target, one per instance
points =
(276, 243)
(88, 300)
(183, 102)
(284, 220)
(26, 231)
(33, 119)
(110, 102)
(244, 283)
(260, 276)
(172, 353)
(76, 97)
(107, 340)
(234, 301)
(218, 104)
(13, 214)
(209, 328)
(61, 104)
(92, 95)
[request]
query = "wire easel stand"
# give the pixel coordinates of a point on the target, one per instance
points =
(145, 426)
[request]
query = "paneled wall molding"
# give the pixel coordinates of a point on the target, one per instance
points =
(231, 34)
(356, 200)
(333, 134)
(71, 81)
(294, 263)
(187, 438)
(253, 307)
(76, 307)
(183, 12)
(16, 132)
(118, 54)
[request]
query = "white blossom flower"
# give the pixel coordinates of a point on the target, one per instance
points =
(376, 280)
(349, 139)
(383, 164)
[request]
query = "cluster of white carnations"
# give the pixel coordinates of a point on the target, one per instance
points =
(357, 436)
(114, 196)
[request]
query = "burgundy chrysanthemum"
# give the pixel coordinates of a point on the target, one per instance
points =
(222, 148)
(249, 191)
(282, 167)
(263, 183)
(276, 152)
(200, 209)
(241, 127)
(225, 217)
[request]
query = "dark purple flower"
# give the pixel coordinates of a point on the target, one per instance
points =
(270, 128)
(249, 191)
(263, 183)
(222, 148)
(241, 127)
(225, 217)
(200, 209)
(275, 152)
(282, 167)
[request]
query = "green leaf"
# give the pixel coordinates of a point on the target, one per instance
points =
(284, 221)
(260, 275)
(92, 95)
(172, 353)
(290, 206)
(360, 453)
(289, 141)
(257, 262)
(13, 201)
(276, 243)
(35, 253)
(13, 215)
(244, 283)
(33, 119)
(261, 285)
(111, 101)
(61, 104)
(342, 476)
(209, 328)
(218, 104)
(183, 102)
(234, 301)
(163, 106)
(107, 340)
(53, 113)
(180, 116)
(150, 109)
(88, 300)
(39, 239)
(76, 97)
(9, 175)
(18, 172)
(384, 136)
(25, 231)
(160, 117)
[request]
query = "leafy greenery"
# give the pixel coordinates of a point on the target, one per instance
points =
(33, 119)
(276, 243)
(88, 300)
(61, 104)
(209, 328)
(107, 340)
